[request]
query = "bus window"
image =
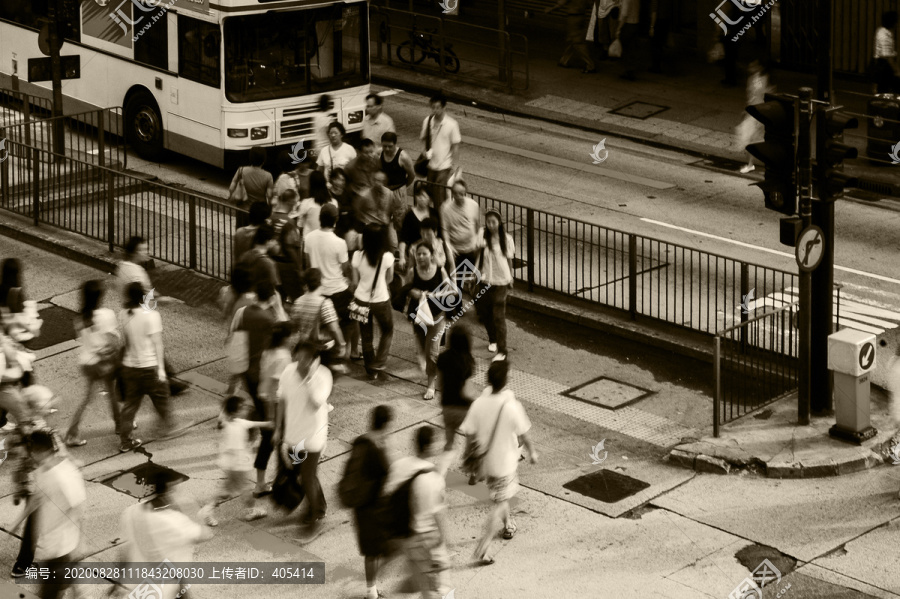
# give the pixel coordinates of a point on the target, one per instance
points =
(198, 51)
(151, 45)
(337, 61)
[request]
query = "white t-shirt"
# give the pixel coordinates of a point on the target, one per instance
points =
(367, 275)
(308, 214)
(327, 252)
(502, 457)
(428, 493)
(329, 158)
(129, 272)
(495, 265)
(443, 135)
(60, 489)
(305, 407)
(93, 337)
(234, 447)
(138, 326)
(884, 43)
(374, 128)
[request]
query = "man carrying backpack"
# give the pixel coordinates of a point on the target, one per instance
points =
(286, 250)
(415, 514)
(360, 489)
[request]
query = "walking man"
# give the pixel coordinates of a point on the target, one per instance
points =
(398, 168)
(459, 219)
(376, 123)
(497, 421)
(440, 132)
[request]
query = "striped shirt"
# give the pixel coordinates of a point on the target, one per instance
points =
(884, 43)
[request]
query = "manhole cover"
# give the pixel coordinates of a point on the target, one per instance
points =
(639, 110)
(607, 393)
(606, 486)
(136, 481)
(57, 328)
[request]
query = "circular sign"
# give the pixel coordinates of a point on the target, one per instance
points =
(810, 248)
(866, 356)
(44, 40)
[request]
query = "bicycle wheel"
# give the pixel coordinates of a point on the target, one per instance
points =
(451, 62)
(409, 52)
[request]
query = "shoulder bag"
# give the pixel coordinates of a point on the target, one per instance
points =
(238, 345)
(238, 195)
(361, 313)
(421, 166)
(473, 455)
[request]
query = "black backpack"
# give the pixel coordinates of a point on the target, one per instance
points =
(397, 513)
(364, 475)
(283, 229)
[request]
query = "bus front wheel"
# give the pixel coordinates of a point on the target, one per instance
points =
(144, 126)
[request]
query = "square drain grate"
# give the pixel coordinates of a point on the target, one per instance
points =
(57, 328)
(136, 481)
(607, 393)
(606, 486)
(639, 110)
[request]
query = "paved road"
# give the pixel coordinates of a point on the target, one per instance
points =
(685, 536)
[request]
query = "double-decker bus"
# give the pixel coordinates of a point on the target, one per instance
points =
(205, 78)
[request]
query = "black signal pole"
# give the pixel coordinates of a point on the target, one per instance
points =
(804, 164)
(55, 40)
(823, 217)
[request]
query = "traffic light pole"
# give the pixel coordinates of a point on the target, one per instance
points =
(821, 388)
(804, 163)
(55, 40)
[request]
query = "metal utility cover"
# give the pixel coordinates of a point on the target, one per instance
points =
(639, 110)
(607, 486)
(57, 328)
(136, 481)
(607, 393)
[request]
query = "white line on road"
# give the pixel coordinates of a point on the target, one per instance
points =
(762, 249)
(588, 168)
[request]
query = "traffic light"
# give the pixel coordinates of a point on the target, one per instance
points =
(777, 152)
(69, 18)
(831, 151)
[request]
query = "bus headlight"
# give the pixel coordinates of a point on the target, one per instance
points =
(259, 132)
(355, 117)
(237, 133)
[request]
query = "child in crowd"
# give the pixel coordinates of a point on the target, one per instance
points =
(235, 460)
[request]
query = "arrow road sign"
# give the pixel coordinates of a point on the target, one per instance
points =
(866, 356)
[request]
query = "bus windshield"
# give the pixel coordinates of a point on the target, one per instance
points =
(281, 54)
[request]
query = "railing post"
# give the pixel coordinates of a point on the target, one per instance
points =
(35, 186)
(110, 210)
(717, 394)
(26, 112)
(745, 284)
(4, 171)
(632, 276)
(529, 218)
(101, 132)
(192, 233)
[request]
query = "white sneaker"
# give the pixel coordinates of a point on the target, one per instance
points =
(747, 168)
(492, 347)
(330, 407)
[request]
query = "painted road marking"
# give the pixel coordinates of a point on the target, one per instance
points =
(762, 249)
(588, 168)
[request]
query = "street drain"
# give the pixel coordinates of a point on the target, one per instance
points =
(136, 481)
(57, 328)
(639, 110)
(607, 393)
(606, 486)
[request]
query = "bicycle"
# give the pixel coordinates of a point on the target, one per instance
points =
(420, 46)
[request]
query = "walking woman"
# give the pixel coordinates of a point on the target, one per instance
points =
(456, 366)
(99, 335)
(17, 322)
(495, 264)
(143, 370)
(337, 154)
(310, 207)
(257, 185)
(410, 231)
(373, 267)
(428, 286)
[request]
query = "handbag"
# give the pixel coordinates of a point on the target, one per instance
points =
(238, 345)
(238, 195)
(361, 313)
(287, 491)
(615, 49)
(421, 166)
(473, 455)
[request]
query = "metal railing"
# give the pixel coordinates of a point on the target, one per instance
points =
(93, 136)
(756, 363)
(109, 205)
(17, 106)
(435, 45)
